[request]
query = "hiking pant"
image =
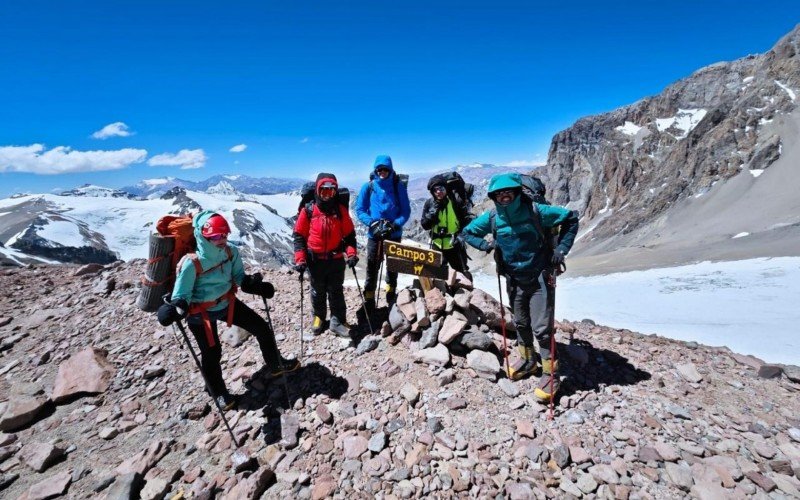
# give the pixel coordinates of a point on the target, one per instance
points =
(243, 317)
(374, 259)
(534, 310)
(456, 257)
(327, 277)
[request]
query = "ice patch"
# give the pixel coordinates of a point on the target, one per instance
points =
(629, 128)
(747, 79)
(756, 172)
(685, 120)
(740, 235)
(789, 91)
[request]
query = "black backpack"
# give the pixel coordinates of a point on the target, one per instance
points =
(460, 192)
(307, 197)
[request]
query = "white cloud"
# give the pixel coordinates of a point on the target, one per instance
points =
(185, 158)
(304, 140)
(116, 129)
(524, 163)
(238, 148)
(62, 159)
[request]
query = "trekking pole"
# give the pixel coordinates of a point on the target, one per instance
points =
(280, 362)
(363, 302)
(503, 322)
(302, 316)
(556, 272)
(205, 380)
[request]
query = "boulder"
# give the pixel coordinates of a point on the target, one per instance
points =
(144, 460)
(437, 355)
(253, 486)
(452, 328)
(488, 310)
(39, 456)
(430, 335)
(88, 371)
(53, 486)
(435, 301)
(21, 409)
(234, 336)
(484, 363)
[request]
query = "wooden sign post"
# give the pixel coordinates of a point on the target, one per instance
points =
(409, 259)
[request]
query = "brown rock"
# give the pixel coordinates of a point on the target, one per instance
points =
(146, 459)
(39, 456)
(525, 428)
(452, 328)
(434, 301)
(324, 487)
(761, 481)
(87, 371)
(354, 446)
(252, 487)
(21, 410)
(770, 371)
(51, 487)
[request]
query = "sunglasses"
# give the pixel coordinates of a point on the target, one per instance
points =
(439, 189)
(327, 190)
(216, 237)
(505, 192)
(382, 170)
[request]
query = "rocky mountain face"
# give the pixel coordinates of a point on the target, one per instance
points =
(627, 169)
(97, 400)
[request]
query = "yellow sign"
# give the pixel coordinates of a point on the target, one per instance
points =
(413, 254)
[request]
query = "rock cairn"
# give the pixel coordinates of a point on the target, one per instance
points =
(640, 416)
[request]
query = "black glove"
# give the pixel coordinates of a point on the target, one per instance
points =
(301, 268)
(352, 261)
(172, 311)
(487, 246)
(251, 283)
(266, 290)
(558, 258)
(459, 240)
(374, 226)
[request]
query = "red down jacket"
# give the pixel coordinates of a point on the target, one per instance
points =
(328, 234)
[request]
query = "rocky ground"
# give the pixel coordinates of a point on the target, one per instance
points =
(96, 399)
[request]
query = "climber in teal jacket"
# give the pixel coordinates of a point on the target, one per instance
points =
(205, 292)
(527, 260)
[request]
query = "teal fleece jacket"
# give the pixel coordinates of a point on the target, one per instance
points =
(212, 285)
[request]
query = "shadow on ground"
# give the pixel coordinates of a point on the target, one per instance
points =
(276, 396)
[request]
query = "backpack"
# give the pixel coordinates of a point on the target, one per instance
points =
(307, 197)
(460, 192)
(172, 242)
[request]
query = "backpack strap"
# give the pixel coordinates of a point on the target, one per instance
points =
(201, 308)
(536, 218)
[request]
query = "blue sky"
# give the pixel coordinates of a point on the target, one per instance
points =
(328, 85)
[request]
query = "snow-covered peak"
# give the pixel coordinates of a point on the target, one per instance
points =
(94, 191)
(222, 188)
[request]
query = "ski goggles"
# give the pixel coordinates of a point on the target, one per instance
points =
(327, 191)
(216, 237)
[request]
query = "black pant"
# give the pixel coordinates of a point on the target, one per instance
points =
(456, 257)
(374, 259)
(534, 309)
(243, 317)
(327, 277)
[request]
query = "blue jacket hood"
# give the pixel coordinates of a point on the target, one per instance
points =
(385, 161)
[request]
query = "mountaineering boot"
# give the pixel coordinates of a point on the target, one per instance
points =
(318, 326)
(340, 328)
(391, 295)
(287, 365)
(548, 385)
(526, 365)
(226, 401)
